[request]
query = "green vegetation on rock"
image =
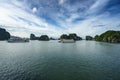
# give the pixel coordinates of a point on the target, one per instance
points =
(89, 38)
(33, 37)
(44, 38)
(110, 36)
(70, 36)
(64, 36)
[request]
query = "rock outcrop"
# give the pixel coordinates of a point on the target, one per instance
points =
(109, 36)
(41, 38)
(4, 35)
(33, 37)
(89, 38)
(44, 38)
(70, 36)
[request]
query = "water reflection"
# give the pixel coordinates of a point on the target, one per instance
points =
(37, 60)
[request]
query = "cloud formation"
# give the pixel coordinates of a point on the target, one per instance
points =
(55, 17)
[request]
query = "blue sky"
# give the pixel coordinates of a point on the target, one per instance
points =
(55, 17)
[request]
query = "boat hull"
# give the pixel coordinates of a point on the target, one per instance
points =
(67, 41)
(18, 40)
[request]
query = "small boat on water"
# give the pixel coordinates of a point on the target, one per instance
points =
(17, 40)
(67, 41)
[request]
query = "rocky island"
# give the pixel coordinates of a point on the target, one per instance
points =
(41, 38)
(71, 36)
(89, 38)
(4, 35)
(110, 36)
(44, 38)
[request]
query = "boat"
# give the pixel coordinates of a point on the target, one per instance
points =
(67, 41)
(17, 40)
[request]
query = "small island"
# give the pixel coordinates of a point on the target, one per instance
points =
(4, 35)
(110, 36)
(44, 38)
(69, 38)
(89, 38)
(41, 38)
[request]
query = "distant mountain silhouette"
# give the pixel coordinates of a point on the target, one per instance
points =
(41, 38)
(71, 36)
(4, 35)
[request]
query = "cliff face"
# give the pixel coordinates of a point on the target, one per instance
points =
(33, 37)
(41, 38)
(109, 36)
(70, 36)
(89, 38)
(44, 38)
(4, 35)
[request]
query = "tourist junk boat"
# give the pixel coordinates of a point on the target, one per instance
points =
(67, 41)
(17, 40)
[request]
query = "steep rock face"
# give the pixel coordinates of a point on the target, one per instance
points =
(4, 35)
(89, 38)
(75, 37)
(44, 38)
(41, 38)
(33, 37)
(70, 36)
(64, 36)
(109, 36)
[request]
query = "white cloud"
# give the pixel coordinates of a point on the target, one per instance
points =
(21, 22)
(61, 1)
(34, 10)
(95, 25)
(97, 6)
(12, 16)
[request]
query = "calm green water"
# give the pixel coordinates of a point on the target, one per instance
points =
(37, 60)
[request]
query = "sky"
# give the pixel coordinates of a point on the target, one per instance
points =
(56, 17)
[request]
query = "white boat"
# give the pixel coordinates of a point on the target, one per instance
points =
(67, 41)
(15, 40)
